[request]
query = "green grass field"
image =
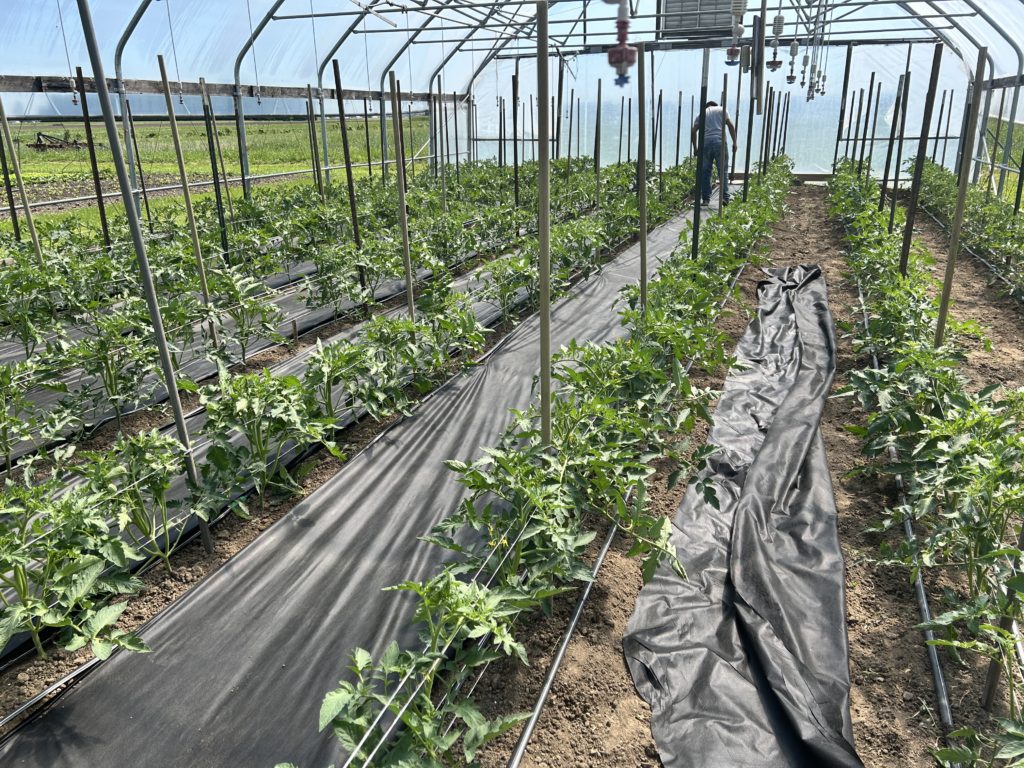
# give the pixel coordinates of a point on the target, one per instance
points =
(274, 147)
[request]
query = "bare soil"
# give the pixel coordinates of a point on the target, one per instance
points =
(594, 716)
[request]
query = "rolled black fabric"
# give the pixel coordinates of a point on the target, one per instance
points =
(745, 662)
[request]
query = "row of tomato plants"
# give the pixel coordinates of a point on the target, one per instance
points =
(959, 450)
(113, 349)
(67, 551)
(990, 227)
(521, 537)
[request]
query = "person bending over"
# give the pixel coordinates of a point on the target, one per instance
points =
(716, 120)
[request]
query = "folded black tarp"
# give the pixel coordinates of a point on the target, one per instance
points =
(241, 663)
(744, 663)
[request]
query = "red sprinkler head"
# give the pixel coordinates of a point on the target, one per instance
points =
(732, 56)
(622, 56)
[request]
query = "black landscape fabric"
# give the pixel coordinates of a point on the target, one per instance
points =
(241, 663)
(744, 662)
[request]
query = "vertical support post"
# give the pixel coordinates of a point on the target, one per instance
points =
(851, 131)
(949, 125)
(1020, 185)
(403, 213)
(723, 159)
(572, 103)
(749, 139)
(622, 123)
(190, 215)
(842, 103)
(544, 219)
(533, 131)
(874, 129)
(899, 146)
(897, 107)
(100, 205)
(679, 126)
(697, 198)
(214, 170)
(243, 146)
(957, 227)
(384, 138)
(130, 129)
(455, 131)
(693, 117)
(412, 142)
(858, 140)
(9, 191)
(135, 228)
(867, 121)
(922, 155)
(350, 181)
(579, 127)
(515, 137)
(995, 146)
(558, 107)
(366, 135)
(766, 127)
(20, 182)
(597, 148)
(629, 131)
(661, 145)
(314, 150)
(325, 160)
(641, 170)
(938, 126)
(448, 138)
(785, 127)
(220, 159)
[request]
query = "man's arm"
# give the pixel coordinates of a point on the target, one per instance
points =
(732, 132)
(693, 137)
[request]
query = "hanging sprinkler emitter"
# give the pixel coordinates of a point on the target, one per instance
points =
(734, 54)
(622, 57)
(794, 51)
(775, 63)
(74, 91)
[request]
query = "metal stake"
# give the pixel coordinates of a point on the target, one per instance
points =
(597, 148)
(892, 139)
(130, 130)
(899, 146)
(212, 149)
(922, 155)
(9, 190)
(961, 202)
(544, 219)
(867, 121)
(403, 213)
(842, 103)
(641, 170)
(949, 122)
(100, 206)
(190, 215)
(938, 125)
(135, 228)
(350, 181)
(698, 196)
(622, 121)
(515, 137)
(679, 125)
(874, 129)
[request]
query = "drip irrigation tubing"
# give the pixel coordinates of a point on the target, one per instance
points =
(559, 656)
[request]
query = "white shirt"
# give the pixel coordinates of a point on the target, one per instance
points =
(714, 123)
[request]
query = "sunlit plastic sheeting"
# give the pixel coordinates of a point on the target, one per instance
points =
(1007, 23)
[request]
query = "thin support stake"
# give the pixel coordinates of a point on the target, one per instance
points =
(544, 219)
(874, 128)
(190, 215)
(138, 162)
(597, 148)
(922, 156)
(899, 147)
(515, 135)
(212, 149)
(350, 182)
(892, 140)
(842, 103)
(961, 199)
(403, 214)
(641, 171)
(134, 226)
(701, 122)
(100, 205)
(8, 189)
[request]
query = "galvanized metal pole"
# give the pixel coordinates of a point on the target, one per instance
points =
(922, 156)
(533, 131)
(220, 159)
(558, 107)
(961, 200)
(842, 103)
(190, 216)
(698, 197)
(455, 132)
(366, 134)
(622, 123)
(749, 140)
(1020, 185)
(243, 145)
(892, 140)
(572, 102)
(100, 205)
(641, 170)
(318, 178)
(544, 221)
(403, 213)
(20, 182)
(412, 142)
(138, 241)
(858, 145)
(133, 136)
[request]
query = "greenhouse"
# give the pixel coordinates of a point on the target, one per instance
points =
(530, 383)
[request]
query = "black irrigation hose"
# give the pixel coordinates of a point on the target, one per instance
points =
(938, 677)
(556, 662)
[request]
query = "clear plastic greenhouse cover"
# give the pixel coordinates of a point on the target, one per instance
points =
(201, 38)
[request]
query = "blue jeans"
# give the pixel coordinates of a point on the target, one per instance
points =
(713, 155)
